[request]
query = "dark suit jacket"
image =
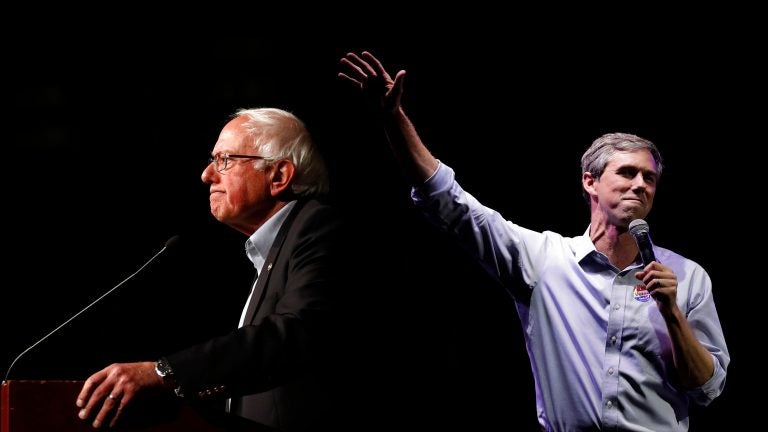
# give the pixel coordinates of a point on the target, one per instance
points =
(275, 367)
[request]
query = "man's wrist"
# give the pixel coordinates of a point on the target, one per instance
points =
(165, 372)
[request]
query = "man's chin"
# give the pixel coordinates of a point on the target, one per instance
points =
(218, 214)
(632, 214)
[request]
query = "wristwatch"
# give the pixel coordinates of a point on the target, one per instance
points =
(165, 372)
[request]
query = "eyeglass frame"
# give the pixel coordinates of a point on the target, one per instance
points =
(215, 158)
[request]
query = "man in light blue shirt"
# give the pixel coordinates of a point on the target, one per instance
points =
(614, 343)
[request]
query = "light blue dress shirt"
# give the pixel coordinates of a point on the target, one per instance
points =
(599, 349)
(258, 244)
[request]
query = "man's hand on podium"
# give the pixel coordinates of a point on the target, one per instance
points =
(109, 391)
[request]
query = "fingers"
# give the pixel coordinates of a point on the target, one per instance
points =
(354, 70)
(112, 407)
(103, 391)
(85, 392)
(110, 401)
(94, 381)
(362, 69)
(370, 59)
(656, 276)
(657, 283)
(363, 66)
(119, 411)
(399, 79)
(349, 78)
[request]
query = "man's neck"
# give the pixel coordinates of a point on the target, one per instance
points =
(616, 244)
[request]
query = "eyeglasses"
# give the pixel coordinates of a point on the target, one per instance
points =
(221, 160)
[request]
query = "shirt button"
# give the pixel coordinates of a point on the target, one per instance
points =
(610, 371)
(609, 404)
(616, 306)
(613, 339)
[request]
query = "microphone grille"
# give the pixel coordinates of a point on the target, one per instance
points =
(638, 226)
(173, 241)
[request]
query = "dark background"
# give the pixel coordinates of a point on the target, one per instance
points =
(109, 124)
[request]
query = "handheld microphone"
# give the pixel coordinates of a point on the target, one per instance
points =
(639, 230)
(170, 242)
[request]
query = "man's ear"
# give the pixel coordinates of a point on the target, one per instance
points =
(281, 177)
(588, 183)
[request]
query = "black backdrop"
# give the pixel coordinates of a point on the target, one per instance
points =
(109, 128)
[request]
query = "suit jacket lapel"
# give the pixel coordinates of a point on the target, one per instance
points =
(266, 271)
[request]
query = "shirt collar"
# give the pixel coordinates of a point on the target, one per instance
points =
(582, 246)
(258, 244)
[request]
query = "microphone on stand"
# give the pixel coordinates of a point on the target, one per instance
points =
(169, 243)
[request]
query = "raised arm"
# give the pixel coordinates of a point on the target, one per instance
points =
(384, 95)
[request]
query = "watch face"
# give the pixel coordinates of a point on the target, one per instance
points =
(163, 368)
(164, 371)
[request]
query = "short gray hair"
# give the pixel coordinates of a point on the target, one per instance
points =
(600, 153)
(278, 134)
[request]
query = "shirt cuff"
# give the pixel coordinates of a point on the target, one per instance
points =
(440, 181)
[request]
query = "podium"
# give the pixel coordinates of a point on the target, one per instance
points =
(41, 406)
